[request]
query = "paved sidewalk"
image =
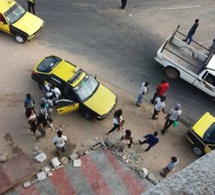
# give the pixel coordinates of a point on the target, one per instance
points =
(100, 173)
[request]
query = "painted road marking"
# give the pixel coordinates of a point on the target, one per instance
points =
(187, 7)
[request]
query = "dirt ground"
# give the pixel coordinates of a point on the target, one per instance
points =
(16, 137)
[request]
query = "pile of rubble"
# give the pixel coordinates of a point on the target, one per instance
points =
(129, 156)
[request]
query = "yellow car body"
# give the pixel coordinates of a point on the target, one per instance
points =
(202, 134)
(19, 23)
(79, 89)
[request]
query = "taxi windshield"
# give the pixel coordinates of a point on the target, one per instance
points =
(86, 87)
(210, 133)
(14, 13)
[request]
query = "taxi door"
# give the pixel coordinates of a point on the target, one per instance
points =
(64, 106)
(3, 24)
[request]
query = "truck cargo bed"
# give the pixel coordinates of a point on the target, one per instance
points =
(185, 55)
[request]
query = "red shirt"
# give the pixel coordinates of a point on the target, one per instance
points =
(162, 88)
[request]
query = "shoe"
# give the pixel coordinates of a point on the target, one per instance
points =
(152, 102)
(154, 118)
(138, 105)
(161, 174)
(35, 139)
(162, 132)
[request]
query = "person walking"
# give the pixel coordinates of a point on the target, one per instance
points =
(159, 105)
(117, 121)
(151, 140)
(29, 102)
(161, 90)
(60, 141)
(45, 110)
(31, 6)
(31, 116)
(191, 32)
(143, 91)
(123, 3)
(41, 126)
(172, 117)
(170, 167)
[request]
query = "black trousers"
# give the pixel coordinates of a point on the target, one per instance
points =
(155, 113)
(123, 3)
(167, 124)
(31, 7)
(145, 142)
(114, 128)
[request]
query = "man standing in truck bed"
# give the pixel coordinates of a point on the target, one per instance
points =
(191, 32)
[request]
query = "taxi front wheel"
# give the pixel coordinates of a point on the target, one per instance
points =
(19, 38)
(87, 115)
(197, 151)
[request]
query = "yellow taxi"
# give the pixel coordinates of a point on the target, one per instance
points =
(79, 90)
(202, 134)
(14, 20)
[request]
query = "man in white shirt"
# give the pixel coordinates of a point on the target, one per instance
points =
(159, 106)
(60, 141)
(143, 91)
(171, 117)
(56, 93)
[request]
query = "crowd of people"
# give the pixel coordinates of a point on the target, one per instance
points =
(38, 123)
(171, 118)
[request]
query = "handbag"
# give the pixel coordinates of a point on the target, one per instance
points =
(175, 123)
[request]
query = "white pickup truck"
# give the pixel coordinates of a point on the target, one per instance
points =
(194, 65)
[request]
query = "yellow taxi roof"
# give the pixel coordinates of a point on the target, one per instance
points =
(66, 71)
(203, 124)
(5, 5)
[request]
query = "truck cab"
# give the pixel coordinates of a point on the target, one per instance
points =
(19, 23)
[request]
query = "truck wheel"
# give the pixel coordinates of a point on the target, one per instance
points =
(172, 73)
(197, 151)
(19, 38)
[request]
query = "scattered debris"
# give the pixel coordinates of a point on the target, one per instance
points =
(41, 157)
(41, 176)
(77, 163)
(27, 184)
(56, 163)
(3, 157)
(64, 160)
(73, 156)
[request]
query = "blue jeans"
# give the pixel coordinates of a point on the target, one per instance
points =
(189, 38)
(139, 99)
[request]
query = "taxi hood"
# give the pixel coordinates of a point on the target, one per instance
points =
(201, 126)
(29, 23)
(102, 101)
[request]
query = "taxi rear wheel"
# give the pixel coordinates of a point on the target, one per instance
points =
(197, 151)
(19, 38)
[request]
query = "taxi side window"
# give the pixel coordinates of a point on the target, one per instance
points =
(69, 93)
(2, 19)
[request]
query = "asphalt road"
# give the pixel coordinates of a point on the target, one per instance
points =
(121, 44)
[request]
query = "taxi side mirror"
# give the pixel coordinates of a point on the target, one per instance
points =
(95, 77)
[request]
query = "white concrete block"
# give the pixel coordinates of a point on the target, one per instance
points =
(77, 163)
